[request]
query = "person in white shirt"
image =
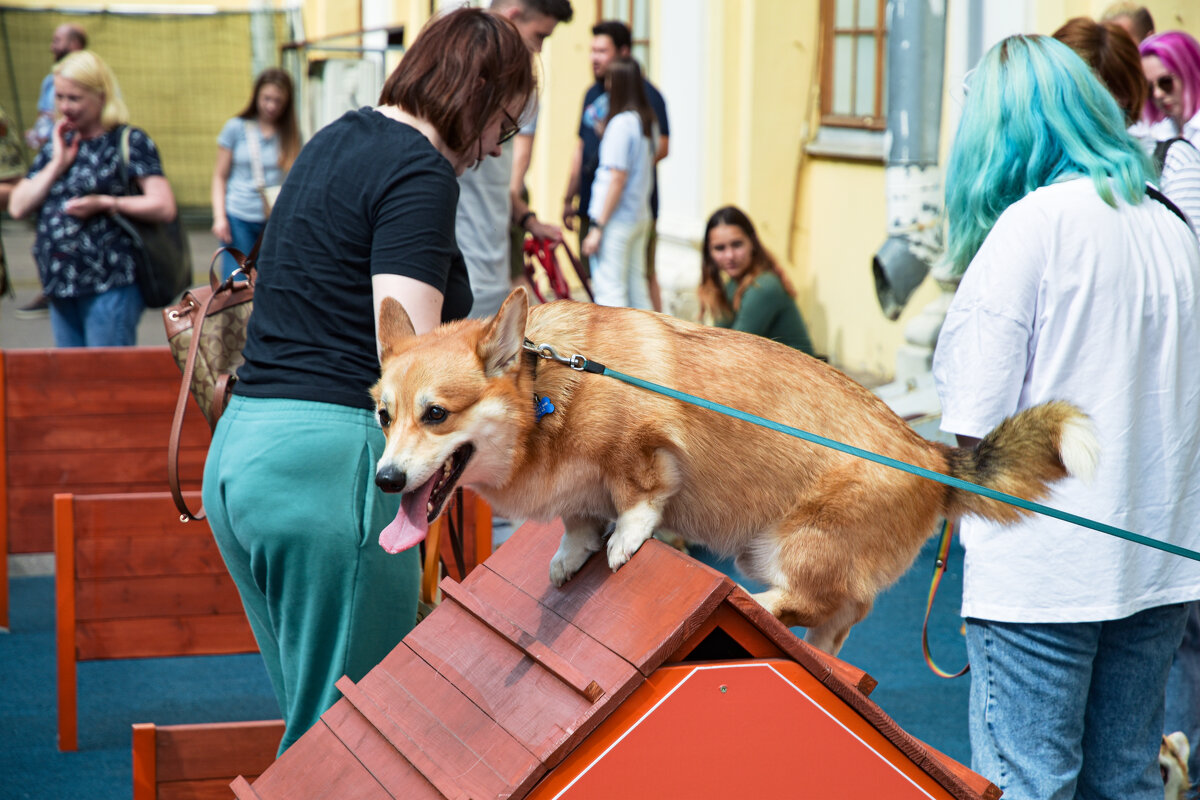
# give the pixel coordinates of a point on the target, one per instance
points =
(1077, 285)
(619, 210)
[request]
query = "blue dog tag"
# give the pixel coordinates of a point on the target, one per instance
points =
(544, 407)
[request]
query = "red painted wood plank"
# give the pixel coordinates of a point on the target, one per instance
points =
(31, 365)
(531, 704)
(146, 556)
(524, 641)
(29, 518)
(613, 673)
(408, 690)
(409, 744)
(213, 634)
(129, 514)
(87, 471)
(216, 750)
(321, 765)
(105, 431)
(643, 612)
(165, 596)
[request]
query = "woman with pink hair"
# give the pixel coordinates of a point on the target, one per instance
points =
(1171, 61)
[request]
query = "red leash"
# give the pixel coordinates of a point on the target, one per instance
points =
(541, 252)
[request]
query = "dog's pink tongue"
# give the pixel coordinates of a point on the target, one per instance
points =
(411, 524)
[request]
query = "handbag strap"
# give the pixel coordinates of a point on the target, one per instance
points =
(246, 265)
(129, 187)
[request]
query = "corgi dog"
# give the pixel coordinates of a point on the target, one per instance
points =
(469, 403)
(1172, 762)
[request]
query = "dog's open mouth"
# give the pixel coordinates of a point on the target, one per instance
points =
(424, 504)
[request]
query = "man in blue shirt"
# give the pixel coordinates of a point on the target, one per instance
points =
(610, 39)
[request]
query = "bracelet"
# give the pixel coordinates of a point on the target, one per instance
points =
(525, 218)
(597, 224)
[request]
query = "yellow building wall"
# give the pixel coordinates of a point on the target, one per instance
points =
(824, 218)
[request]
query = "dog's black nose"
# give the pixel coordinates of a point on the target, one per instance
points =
(390, 479)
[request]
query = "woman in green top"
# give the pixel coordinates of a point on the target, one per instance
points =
(753, 295)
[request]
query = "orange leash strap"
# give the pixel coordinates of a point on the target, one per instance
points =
(939, 570)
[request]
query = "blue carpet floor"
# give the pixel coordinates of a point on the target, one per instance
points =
(115, 694)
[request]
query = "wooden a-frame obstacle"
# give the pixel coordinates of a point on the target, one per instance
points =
(661, 680)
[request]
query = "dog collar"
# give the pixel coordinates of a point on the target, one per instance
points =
(542, 406)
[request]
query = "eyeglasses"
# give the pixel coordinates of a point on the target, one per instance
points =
(512, 130)
(1165, 84)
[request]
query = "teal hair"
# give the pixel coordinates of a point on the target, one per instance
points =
(1035, 114)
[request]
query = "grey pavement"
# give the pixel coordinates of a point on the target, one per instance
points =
(26, 333)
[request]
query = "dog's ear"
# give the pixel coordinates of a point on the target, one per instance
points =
(500, 347)
(394, 327)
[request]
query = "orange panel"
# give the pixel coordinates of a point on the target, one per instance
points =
(762, 728)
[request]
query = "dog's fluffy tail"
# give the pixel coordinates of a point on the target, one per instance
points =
(1023, 456)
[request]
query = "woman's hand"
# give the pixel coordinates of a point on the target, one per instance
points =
(64, 154)
(591, 242)
(220, 229)
(90, 205)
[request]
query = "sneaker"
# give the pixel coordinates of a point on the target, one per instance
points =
(37, 307)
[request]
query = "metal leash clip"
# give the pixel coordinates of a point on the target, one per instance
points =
(547, 351)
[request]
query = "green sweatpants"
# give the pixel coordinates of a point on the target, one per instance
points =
(290, 494)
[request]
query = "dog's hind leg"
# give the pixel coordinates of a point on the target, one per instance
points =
(582, 537)
(831, 634)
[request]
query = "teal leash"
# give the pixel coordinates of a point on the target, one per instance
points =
(582, 364)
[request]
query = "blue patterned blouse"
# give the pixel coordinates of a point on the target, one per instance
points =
(81, 257)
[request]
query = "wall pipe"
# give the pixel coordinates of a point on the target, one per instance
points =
(915, 66)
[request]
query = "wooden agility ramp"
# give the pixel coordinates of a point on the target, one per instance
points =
(663, 679)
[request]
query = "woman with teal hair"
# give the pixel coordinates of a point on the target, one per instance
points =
(1079, 283)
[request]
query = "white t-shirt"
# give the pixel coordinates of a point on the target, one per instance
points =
(482, 229)
(1072, 299)
(626, 148)
(482, 225)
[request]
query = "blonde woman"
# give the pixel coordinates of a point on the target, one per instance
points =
(85, 261)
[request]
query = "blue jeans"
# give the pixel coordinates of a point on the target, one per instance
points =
(1072, 710)
(1183, 693)
(244, 234)
(108, 319)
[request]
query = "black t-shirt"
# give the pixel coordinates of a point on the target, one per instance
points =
(367, 195)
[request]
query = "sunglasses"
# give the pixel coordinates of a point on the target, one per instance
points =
(1165, 84)
(514, 127)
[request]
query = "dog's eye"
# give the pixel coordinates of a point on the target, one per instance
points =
(435, 414)
(385, 419)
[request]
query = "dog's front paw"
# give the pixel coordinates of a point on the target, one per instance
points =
(621, 549)
(566, 562)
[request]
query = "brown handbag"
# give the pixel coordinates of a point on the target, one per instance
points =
(206, 331)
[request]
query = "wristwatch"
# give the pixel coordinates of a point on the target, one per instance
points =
(597, 224)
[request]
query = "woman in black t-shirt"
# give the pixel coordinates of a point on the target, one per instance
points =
(367, 212)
